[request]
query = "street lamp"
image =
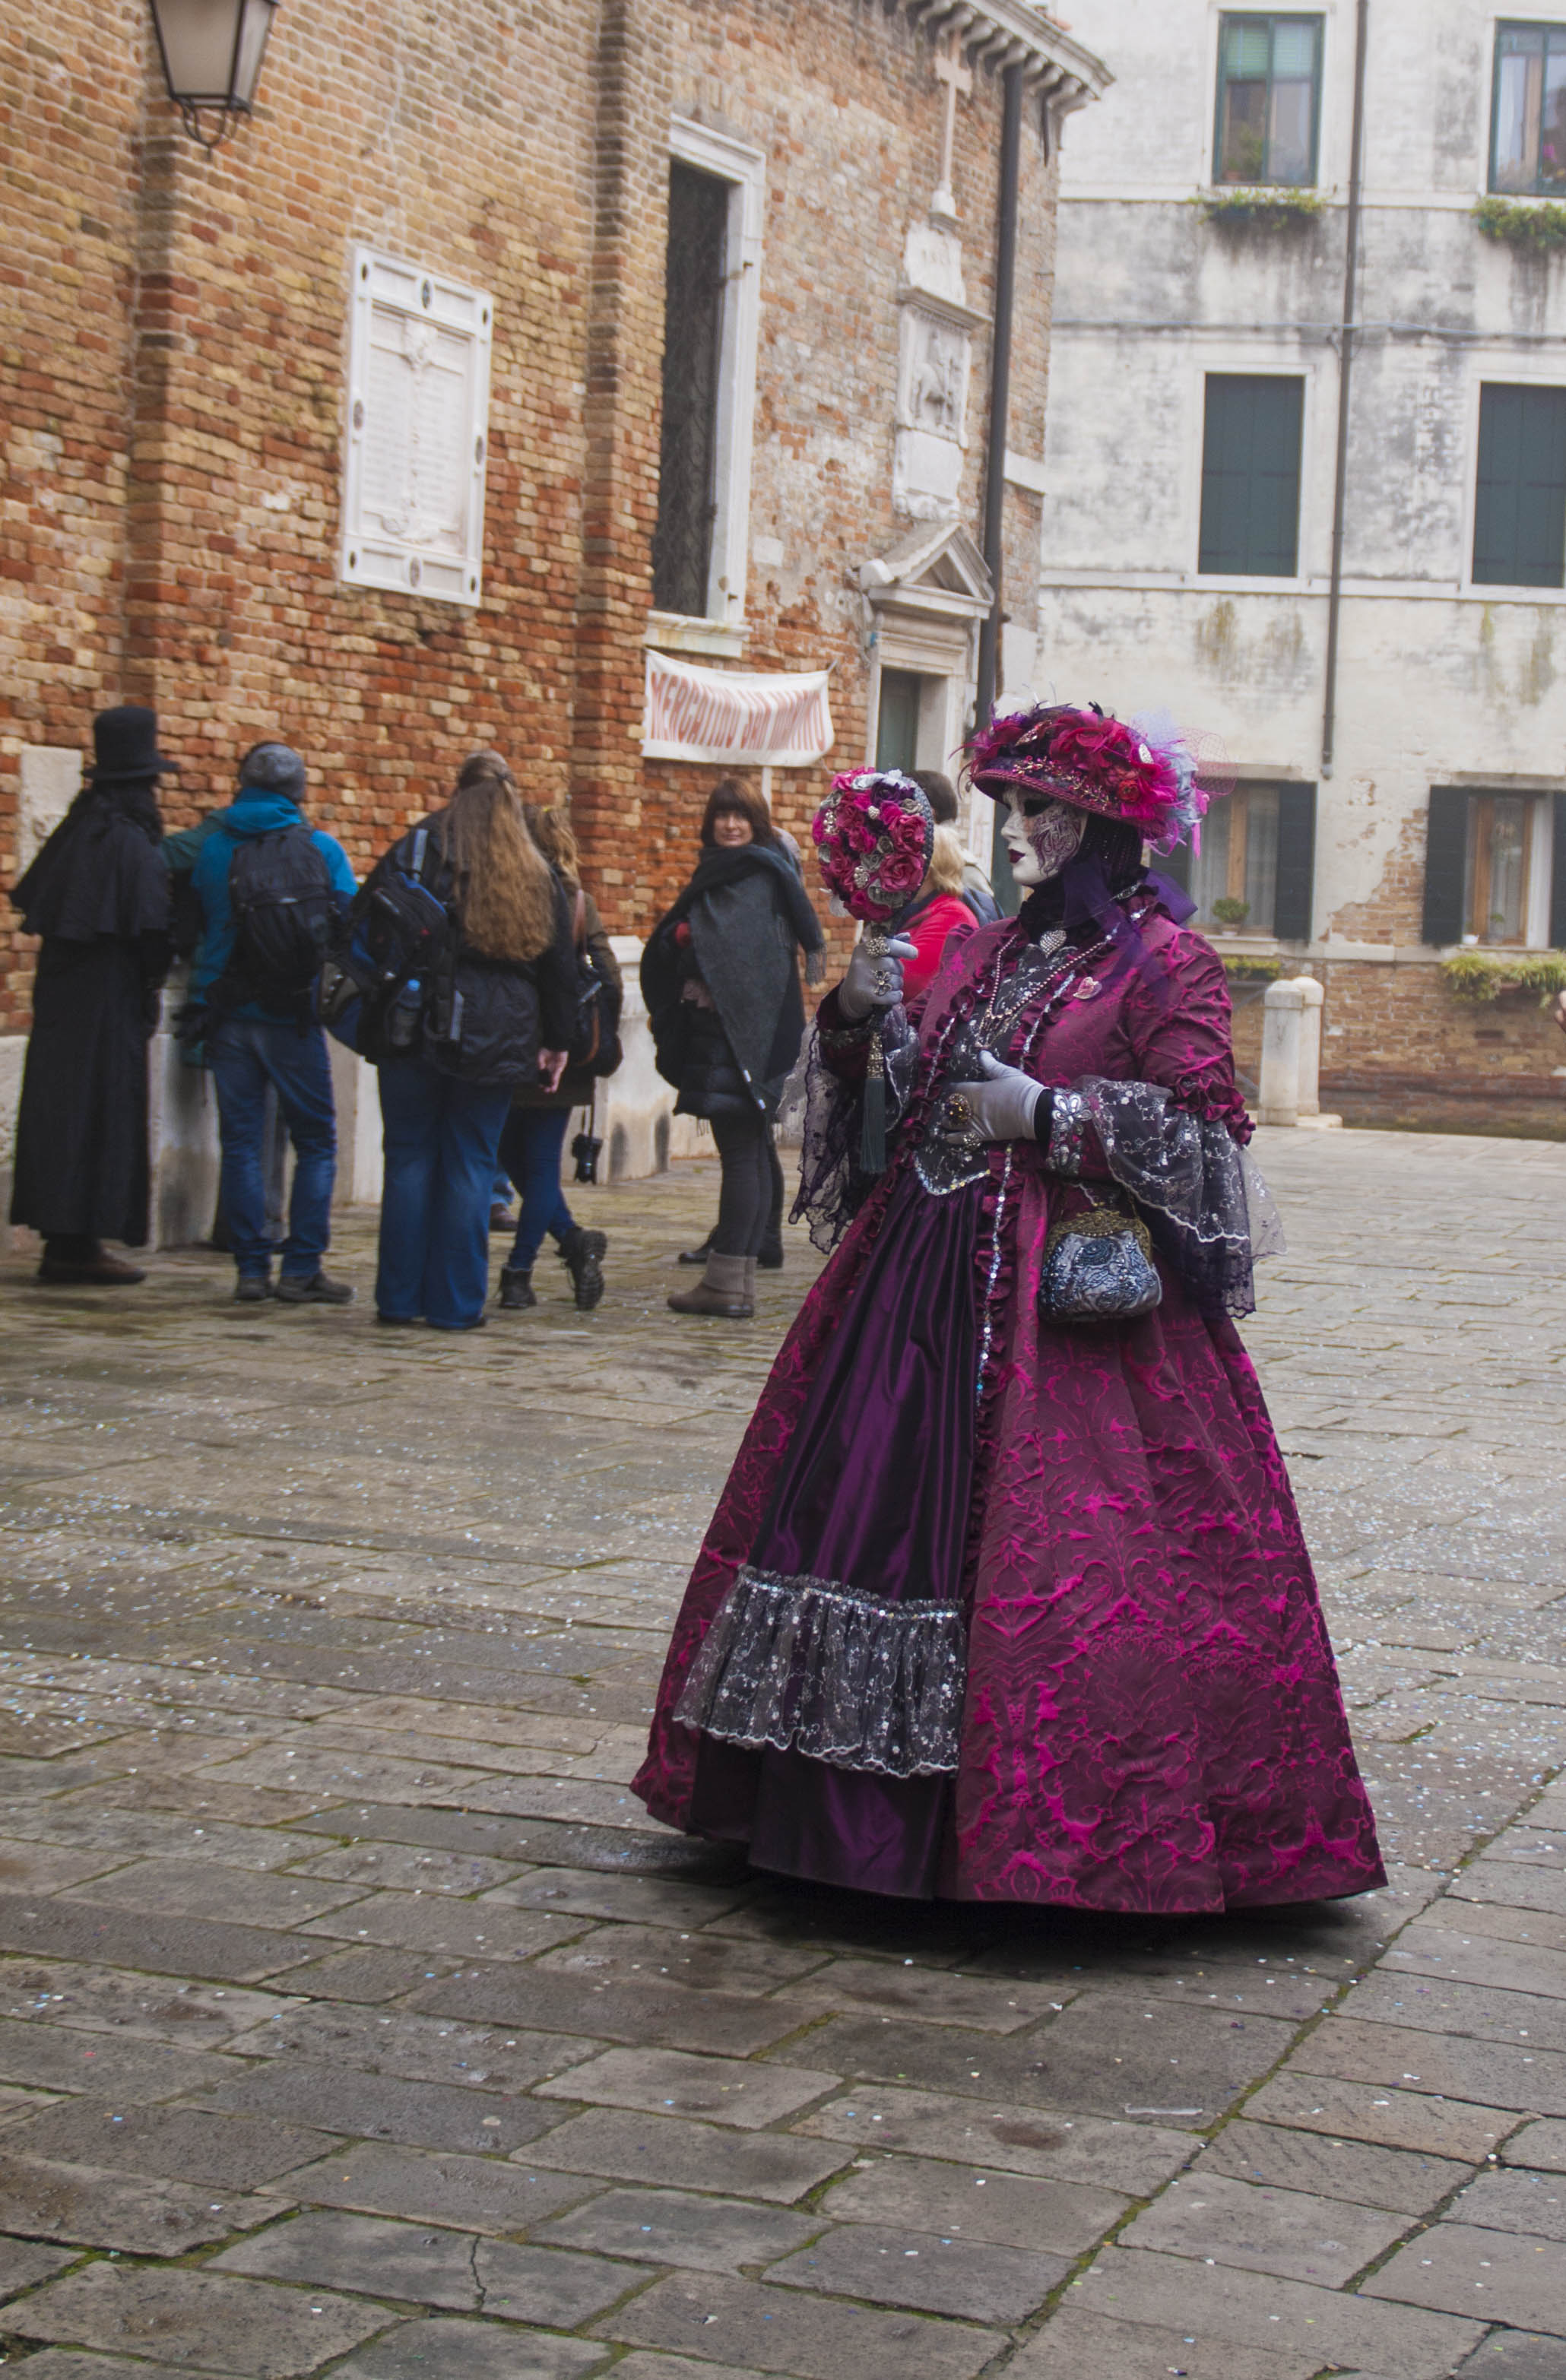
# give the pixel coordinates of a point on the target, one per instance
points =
(212, 52)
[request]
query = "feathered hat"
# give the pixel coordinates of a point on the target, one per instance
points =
(1142, 774)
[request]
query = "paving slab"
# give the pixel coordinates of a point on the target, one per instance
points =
(1257, 2310)
(420, 2047)
(405, 1868)
(182, 1887)
(1488, 2275)
(1541, 2144)
(1135, 2158)
(1514, 2199)
(1485, 2072)
(469, 2193)
(230, 2152)
(1077, 2346)
(1265, 2229)
(166, 1946)
(891, 2264)
(442, 2349)
(668, 2226)
(626, 2008)
(54, 2058)
(205, 2322)
(1515, 2355)
(1483, 2012)
(143, 2215)
(186, 2015)
(771, 2167)
(1401, 2180)
(382, 2107)
(65, 2364)
(782, 2330)
(438, 2268)
(1013, 2210)
(1466, 2131)
(370, 1974)
(666, 2082)
(24, 2263)
(484, 1929)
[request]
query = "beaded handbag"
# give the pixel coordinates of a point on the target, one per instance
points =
(1098, 1267)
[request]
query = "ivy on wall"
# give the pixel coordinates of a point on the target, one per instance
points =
(1476, 976)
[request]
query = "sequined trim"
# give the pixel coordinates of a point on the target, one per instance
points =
(844, 1037)
(810, 1665)
(1068, 1130)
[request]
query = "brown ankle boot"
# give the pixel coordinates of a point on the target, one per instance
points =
(722, 1290)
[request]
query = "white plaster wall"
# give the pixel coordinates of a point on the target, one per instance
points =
(1438, 680)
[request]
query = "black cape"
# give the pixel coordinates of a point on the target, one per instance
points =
(98, 893)
(748, 917)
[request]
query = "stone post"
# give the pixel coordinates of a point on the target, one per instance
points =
(1313, 997)
(1281, 1037)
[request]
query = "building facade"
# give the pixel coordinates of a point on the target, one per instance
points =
(501, 348)
(1359, 590)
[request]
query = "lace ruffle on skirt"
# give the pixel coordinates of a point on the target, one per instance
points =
(807, 1664)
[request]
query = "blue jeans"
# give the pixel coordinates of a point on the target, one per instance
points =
(529, 1149)
(246, 1054)
(440, 1139)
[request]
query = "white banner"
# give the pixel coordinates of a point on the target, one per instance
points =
(738, 718)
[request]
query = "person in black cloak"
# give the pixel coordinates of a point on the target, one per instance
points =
(720, 979)
(98, 893)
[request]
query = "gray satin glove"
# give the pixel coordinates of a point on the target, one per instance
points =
(1000, 1108)
(873, 982)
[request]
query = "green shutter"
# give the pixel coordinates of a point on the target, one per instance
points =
(1296, 863)
(1558, 876)
(1251, 476)
(1446, 864)
(1175, 865)
(1519, 512)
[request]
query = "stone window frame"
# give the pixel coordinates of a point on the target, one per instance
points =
(1502, 23)
(374, 558)
(722, 630)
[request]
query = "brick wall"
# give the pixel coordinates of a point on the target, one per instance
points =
(173, 366)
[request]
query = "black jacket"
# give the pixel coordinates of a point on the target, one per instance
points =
(746, 918)
(503, 1011)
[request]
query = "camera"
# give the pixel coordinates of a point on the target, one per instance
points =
(587, 1150)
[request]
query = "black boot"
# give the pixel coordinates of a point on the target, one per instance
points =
(696, 1255)
(582, 1253)
(515, 1289)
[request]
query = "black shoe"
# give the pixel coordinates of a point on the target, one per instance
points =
(397, 1321)
(316, 1289)
(501, 1217)
(771, 1257)
(252, 1289)
(88, 1266)
(696, 1255)
(515, 1289)
(582, 1253)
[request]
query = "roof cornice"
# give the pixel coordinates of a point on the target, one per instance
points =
(1000, 33)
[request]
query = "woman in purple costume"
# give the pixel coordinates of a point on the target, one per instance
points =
(998, 1605)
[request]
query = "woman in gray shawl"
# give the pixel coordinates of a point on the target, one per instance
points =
(720, 979)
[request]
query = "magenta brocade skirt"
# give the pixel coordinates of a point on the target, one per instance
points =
(1151, 1720)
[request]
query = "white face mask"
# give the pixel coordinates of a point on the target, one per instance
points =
(1039, 845)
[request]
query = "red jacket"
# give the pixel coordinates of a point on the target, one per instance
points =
(930, 933)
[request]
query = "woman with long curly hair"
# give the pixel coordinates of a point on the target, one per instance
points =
(496, 1012)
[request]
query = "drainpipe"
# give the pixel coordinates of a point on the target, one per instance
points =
(1000, 408)
(1345, 367)
(1001, 380)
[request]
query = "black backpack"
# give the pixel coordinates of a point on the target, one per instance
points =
(398, 935)
(285, 908)
(595, 1044)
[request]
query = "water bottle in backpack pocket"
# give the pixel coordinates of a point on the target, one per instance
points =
(396, 958)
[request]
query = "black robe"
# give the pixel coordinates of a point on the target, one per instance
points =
(98, 893)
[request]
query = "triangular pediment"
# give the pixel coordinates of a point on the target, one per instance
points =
(938, 560)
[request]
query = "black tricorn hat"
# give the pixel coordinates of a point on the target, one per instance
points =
(125, 744)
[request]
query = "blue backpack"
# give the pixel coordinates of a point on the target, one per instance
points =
(393, 973)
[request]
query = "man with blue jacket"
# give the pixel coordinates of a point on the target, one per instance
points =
(269, 890)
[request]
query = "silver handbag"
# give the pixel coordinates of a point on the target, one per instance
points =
(1098, 1267)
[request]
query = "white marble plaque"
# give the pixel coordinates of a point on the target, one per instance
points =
(416, 432)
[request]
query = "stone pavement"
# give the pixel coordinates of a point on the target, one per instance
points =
(327, 1654)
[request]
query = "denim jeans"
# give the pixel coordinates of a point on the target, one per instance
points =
(246, 1054)
(440, 1139)
(529, 1149)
